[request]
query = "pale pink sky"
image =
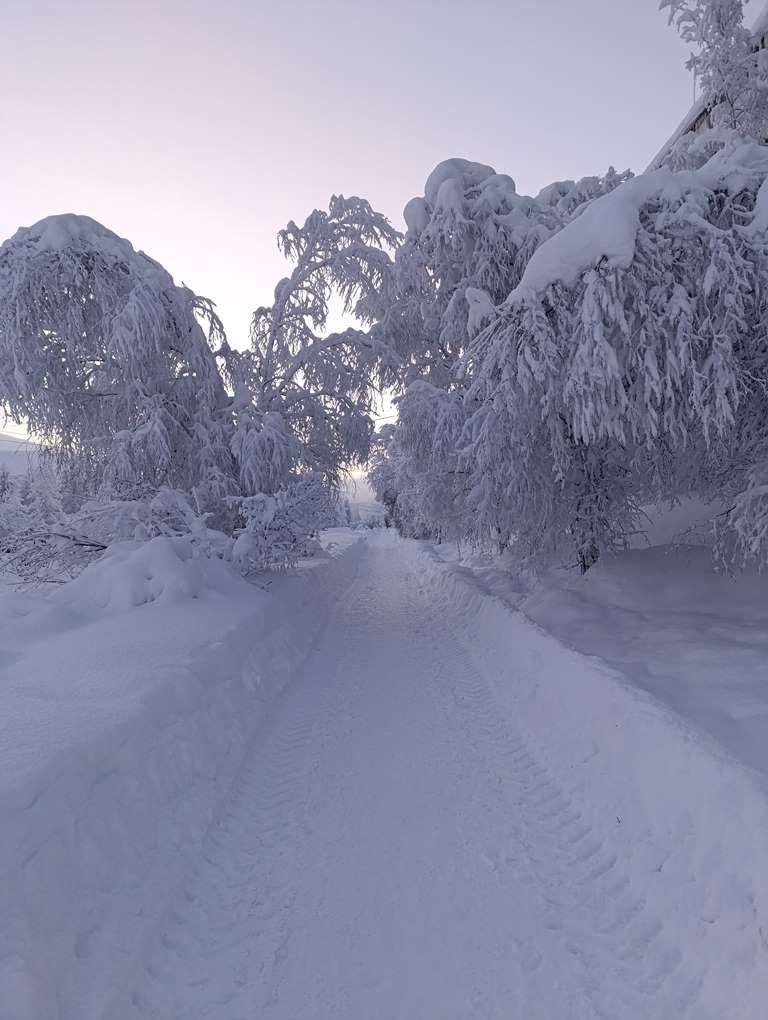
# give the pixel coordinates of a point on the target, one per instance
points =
(197, 129)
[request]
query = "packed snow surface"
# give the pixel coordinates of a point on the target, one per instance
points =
(387, 796)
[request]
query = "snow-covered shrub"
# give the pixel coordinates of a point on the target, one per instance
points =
(40, 543)
(279, 527)
(131, 573)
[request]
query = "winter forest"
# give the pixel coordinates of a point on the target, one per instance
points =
(521, 381)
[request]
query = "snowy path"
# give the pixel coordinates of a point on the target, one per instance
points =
(395, 849)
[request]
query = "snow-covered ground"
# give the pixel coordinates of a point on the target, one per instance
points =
(374, 790)
(694, 637)
(121, 731)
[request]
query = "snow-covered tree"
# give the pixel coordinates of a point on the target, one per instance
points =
(469, 240)
(127, 380)
(110, 364)
(630, 359)
(731, 70)
(310, 394)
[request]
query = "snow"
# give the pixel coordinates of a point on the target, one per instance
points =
(696, 640)
(607, 228)
(682, 128)
(463, 172)
(70, 230)
(416, 214)
(134, 573)
(759, 222)
(481, 309)
(692, 636)
(120, 736)
(450, 814)
(446, 187)
(374, 788)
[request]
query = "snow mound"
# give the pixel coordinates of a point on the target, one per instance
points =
(132, 574)
(416, 214)
(481, 309)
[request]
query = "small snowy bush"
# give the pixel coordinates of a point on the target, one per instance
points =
(279, 528)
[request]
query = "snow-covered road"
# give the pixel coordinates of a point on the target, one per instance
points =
(396, 848)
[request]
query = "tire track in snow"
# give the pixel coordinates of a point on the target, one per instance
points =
(627, 967)
(397, 848)
(241, 895)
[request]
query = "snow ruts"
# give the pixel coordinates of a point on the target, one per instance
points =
(400, 846)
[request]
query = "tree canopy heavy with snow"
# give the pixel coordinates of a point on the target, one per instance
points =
(630, 358)
(310, 394)
(573, 356)
(128, 380)
(469, 241)
(109, 363)
(731, 67)
(625, 364)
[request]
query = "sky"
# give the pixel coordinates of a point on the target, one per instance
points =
(198, 129)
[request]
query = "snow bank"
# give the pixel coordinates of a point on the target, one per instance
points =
(120, 734)
(694, 639)
(131, 574)
(688, 823)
